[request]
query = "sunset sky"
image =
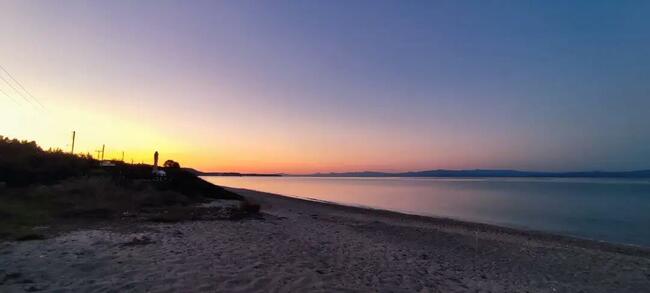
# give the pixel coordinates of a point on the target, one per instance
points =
(319, 86)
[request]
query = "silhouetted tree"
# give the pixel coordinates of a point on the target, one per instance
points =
(171, 164)
(24, 162)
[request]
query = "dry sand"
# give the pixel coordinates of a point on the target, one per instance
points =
(301, 246)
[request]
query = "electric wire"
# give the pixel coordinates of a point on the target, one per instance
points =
(21, 86)
(10, 98)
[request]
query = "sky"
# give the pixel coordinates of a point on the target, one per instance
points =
(320, 86)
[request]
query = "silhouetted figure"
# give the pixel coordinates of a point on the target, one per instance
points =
(159, 175)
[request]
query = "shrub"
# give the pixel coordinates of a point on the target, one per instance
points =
(24, 163)
(171, 164)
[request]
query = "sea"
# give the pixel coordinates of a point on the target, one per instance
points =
(611, 210)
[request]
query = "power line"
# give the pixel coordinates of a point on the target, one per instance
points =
(21, 86)
(8, 96)
(15, 90)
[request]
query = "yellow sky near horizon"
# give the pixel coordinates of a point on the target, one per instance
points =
(201, 148)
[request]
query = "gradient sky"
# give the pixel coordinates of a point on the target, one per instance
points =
(307, 86)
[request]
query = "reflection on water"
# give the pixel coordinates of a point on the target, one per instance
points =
(605, 209)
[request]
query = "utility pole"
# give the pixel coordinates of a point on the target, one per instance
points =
(103, 146)
(122, 156)
(72, 151)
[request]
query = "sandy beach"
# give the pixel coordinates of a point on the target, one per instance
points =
(302, 246)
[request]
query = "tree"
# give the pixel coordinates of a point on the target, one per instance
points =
(171, 164)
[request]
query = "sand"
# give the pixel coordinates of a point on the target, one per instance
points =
(303, 246)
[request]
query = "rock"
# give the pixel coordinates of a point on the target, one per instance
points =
(33, 289)
(142, 240)
(29, 237)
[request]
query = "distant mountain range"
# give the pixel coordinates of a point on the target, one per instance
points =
(451, 173)
(491, 173)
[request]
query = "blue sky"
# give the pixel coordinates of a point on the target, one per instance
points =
(342, 85)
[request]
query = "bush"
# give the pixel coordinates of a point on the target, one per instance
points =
(171, 164)
(24, 163)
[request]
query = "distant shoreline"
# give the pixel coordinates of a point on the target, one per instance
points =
(443, 173)
(201, 173)
(239, 174)
(481, 173)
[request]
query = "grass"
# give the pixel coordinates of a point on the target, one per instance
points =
(77, 198)
(103, 198)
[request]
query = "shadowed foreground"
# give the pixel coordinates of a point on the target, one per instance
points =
(43, 193)
(302, 246)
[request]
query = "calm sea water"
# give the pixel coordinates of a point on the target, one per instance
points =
(604, 209)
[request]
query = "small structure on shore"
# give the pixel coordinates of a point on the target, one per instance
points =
(106, 163)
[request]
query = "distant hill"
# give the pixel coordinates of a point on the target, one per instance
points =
(201, 173)
(491, 173)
